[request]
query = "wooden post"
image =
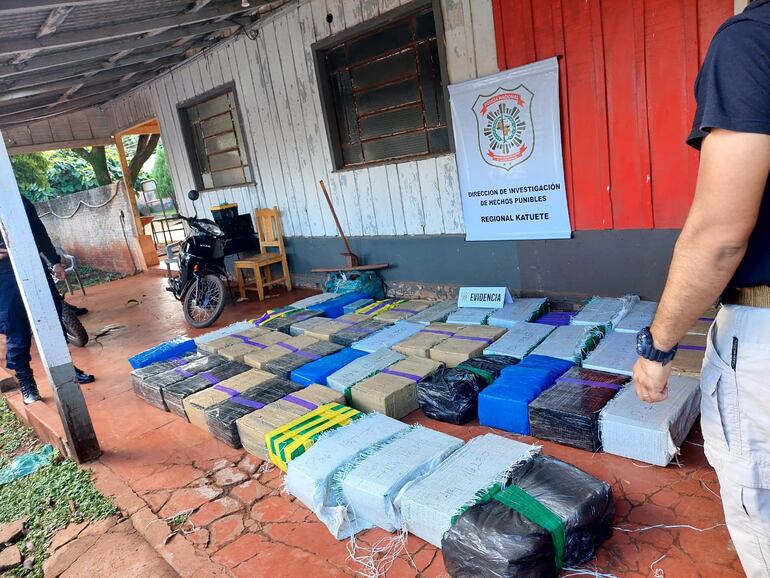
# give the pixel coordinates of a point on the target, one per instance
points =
(33, 285)
(129, 185)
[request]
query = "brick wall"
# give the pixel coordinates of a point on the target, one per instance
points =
(88, 226)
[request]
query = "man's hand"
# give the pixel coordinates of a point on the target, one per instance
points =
(651, 379)
(59, 272)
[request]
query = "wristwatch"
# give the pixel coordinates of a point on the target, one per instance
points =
(646, 349)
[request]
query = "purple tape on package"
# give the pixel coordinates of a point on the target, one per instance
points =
(240, 400)
(287, 346)
(228, 390)
(413, 377)
(184, 372)
(401, 310)
(590, 383)
(438, 332)
(249, 341)
(300, 402)
(470, 338)
(693, 347)
(208, 377)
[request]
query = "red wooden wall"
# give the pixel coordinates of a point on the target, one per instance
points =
(627, 69)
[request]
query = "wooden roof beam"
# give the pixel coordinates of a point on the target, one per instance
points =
(21, 6)
(56, 18)
(198, 5)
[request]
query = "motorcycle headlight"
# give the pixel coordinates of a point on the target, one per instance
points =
(213, 229)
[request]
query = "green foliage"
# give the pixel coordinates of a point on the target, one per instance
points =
(31, 170)
(161, 174)
(14, 437)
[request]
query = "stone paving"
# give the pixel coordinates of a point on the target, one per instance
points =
(236, 515)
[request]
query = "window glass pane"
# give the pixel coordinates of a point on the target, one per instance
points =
(388, 96)
(218, 124)
(227, 160)
(386, 40)
(221, 142)
(430, 83)
(379, 71)
(426, 25)
(231, 177)
(399, 120)
(216, 105)
(346, 108)
(403, 145)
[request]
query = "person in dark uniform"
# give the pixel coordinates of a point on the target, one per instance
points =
(14, 323)
(724, 249)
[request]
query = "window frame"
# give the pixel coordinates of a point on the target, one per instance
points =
(188, 136)
(319, 50)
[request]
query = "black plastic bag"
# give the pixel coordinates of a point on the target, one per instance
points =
(488, 367)
(493, 540)
(451, 395)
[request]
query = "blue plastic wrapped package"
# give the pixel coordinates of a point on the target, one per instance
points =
(521, 310)
(318, 371)
(313, 300)
(336, 307)
(388, 337)
(356, 305)
(571, 342)
(505, 403)
(605, 311)
(177, 347)
(615, 354)
(556, 318)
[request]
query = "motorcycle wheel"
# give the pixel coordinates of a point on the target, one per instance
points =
(204, 301)
(76, 333)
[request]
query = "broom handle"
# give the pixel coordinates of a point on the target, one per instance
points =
(336, 220)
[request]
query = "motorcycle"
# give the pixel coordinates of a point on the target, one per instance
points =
(200, 285)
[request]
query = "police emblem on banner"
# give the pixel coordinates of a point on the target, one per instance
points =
(505, 128)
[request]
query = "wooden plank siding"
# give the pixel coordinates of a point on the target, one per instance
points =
(627, 73)
(276, 87)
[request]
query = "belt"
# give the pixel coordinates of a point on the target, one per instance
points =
(748, 296)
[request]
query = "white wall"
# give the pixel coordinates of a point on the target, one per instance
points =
(275, 83)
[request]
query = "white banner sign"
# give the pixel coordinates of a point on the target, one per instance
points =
(484, 297)
(508, 142)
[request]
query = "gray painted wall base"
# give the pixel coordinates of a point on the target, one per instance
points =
(606, 263)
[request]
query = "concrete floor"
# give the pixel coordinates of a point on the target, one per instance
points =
(246, 523)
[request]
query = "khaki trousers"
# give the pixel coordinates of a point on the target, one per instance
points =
(735, 417)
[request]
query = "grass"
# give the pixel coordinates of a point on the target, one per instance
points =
(55, 495)
(91, 277)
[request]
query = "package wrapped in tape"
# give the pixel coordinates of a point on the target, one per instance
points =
(356, 371)
(520, 340)
(616, 353)
(370, 484)
(552, 516)
(356, 305)
(253, 427)
(450, 395)
(174, 395)
(221, 418)
(436, 313)
(703, 324)
(324, 331)
(640, 316)
(313, 300)
(380, 306)
(393, 391)
(689, 356)
(605, 311)
(151, 388)
(420, 344)
(335, 307)
(570, 342)
(246, 345)
(310, 477)
(650, 432)
(488, 367)
(466, 343)
(429, 504)
(405, 310)
(470, 316)
(215, 345)
(177, 347)
(284, 365)
(284, 321)
(521, 310)
(210, 336)
(347, 337)
(195, 404)
(318, 371)
(259, 357)
(568, 412)
(149, 371)
(387, 337)
(301, 327)
(505, 403)
(556, 318)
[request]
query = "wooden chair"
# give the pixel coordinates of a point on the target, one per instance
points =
(270, 235)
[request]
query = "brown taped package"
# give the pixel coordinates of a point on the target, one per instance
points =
(420, 344)
(405, 310)
(286, 345)
(243, 348)
(324, 331)
(393, 391)
(689, 357)
(195, 405)
(253, 427)
(468, 342)
(216, 345)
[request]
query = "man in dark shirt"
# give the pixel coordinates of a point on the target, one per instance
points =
(724, 250)
(13, 317)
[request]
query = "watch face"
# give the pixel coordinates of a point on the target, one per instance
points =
(643, 342)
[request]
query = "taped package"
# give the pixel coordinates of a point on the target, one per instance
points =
(324, 331)
(356, 305)
(357, 332)
(310, 477)
(176, 347)
(335, 307)
(689, 356)
(284, 321)
(356, 371)
(313, 300)
(253, 427)
(470, 316)
(640, 316)
(244, 346)
(505, 403)
(429, 504)
(488, 367)
(237, 327)
(450, 395)
(420, 344)
(387, 337)
(570, 342)
(650, 432)
(378, 307)
(568, 412)
(520, 340)
(702, 325)
(369, 485)
(552, 516)
(221, 418)
(175, 395)
(284, 365)
(436, 313)
(290, 440)
(149, 371)
(466, 343)
(605, 311)
(405, 310)
(151, 388)
(393, 391)
(557, 318)
(259, 357)
(195, 404)
(521, 310)
(616, 353)
(234, 338)
(300, 327)
(318, 371)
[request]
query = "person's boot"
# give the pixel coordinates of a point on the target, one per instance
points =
(29, 392)
(83, 377)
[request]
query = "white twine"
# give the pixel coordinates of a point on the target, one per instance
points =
(378, 558)
(658, 572)
(587, 572)
(667, 527)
